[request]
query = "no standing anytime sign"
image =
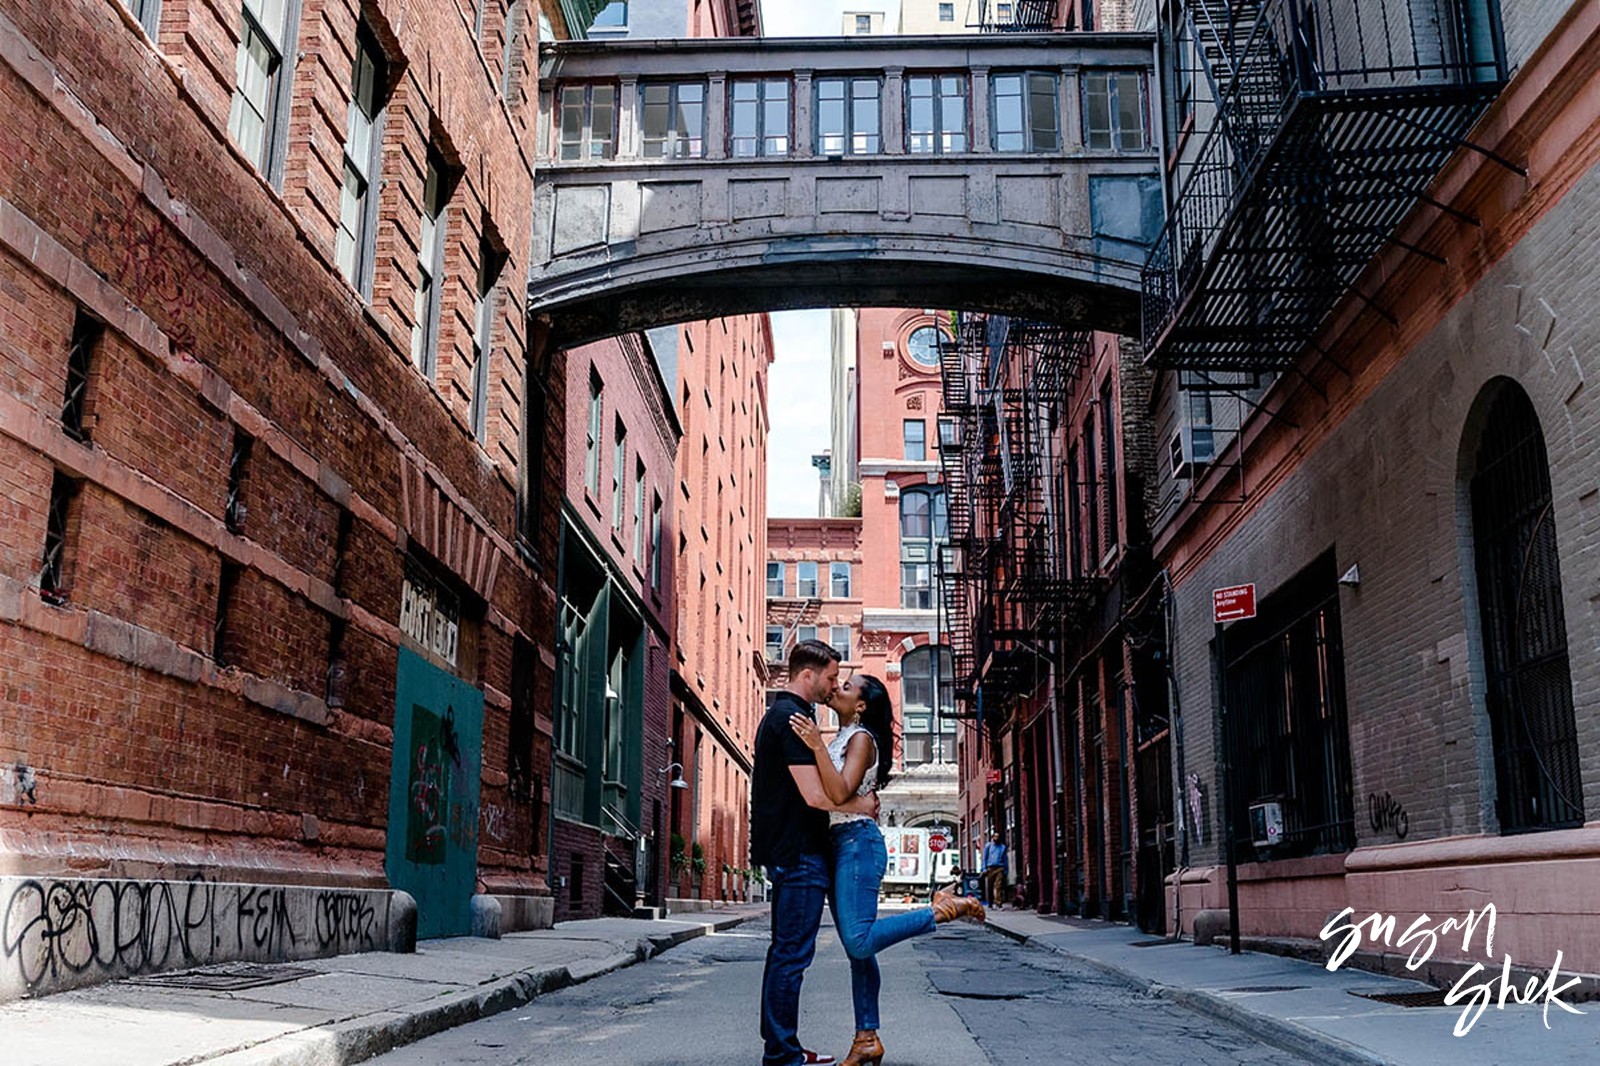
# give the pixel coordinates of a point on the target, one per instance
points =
(1233, 604)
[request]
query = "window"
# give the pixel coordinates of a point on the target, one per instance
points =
(805, 633)
(619, 462)
(1002, 14)
(863, 23)
(258, 117)
(1091, 522)
(1113, 106)
(227, 585)
(916, 440)
(148, 12)
(613, 16)
(430, 267)
(805, 580)
(775, 582)
(1538, 774)
(1108, 463)
(358, 208)
(588, 122)
(638, 512)
(848, 116)
(839, 638)
(567, 779)
(673, 120)
(774, 643)
(936, 113)
(924, 531)
(1026, 113)
(927, 694)
(234, 510)
(86, 333)
(591, 440)
(53, 567)
(655, 540)
(1074, 513)
(491, 261)
(839, 580)
(947, 12)
(760, 119)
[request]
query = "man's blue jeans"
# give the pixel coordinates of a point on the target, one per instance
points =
(798, 891)
(859, 860)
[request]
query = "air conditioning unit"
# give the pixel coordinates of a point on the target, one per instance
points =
(1192, 448)
(1266, 824)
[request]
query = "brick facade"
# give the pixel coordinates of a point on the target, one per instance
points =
(237, 669)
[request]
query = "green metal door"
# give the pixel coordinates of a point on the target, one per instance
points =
(433, 795)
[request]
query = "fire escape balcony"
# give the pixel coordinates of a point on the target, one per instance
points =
(1018, 16)
(1328, 121)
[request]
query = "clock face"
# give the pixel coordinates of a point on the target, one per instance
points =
(924, 345)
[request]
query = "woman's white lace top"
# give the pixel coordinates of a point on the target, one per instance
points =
(836, 752)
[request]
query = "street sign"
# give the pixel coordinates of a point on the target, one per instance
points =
(937, 843)
(1233, 604)
(994, 777)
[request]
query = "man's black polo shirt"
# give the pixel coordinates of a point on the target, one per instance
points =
(782, 825)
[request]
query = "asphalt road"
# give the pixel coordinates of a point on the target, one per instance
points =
(959, 997)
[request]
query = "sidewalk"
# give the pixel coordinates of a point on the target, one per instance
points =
(341, 1010)
(1301, 1007)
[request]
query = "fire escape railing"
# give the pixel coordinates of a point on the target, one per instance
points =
(1018, 16)
(1328, 121)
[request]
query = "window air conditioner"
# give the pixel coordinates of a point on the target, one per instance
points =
(1192, 449)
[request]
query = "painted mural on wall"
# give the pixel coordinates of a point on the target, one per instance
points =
(57, 934)
(433, 796)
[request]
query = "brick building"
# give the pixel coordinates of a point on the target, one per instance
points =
(615, 626)
(812, 590)
(292, 238)
(1410, 485)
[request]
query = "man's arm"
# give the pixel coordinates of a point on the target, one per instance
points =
(809, 782)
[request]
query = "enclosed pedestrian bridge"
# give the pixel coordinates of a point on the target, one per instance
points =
(679, 180)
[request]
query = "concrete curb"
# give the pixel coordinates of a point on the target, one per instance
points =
(1284, 1035)
(371, 1035)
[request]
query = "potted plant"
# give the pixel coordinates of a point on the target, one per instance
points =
(697, 865)
(677, 859)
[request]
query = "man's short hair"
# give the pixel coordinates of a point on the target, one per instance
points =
(811, 655)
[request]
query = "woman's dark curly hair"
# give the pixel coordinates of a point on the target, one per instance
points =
(877, 717)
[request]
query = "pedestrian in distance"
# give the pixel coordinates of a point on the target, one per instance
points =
(789, 836)
(855, 766)
(994, 870)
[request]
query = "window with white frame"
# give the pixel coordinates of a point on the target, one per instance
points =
(863, 23)
(924, 534)
(491, 261)
(805, 580)
(619, 464)
(591, 440)
(805, 633)
(1027, 112)
(947, 12)
(258, 116)
(774, 644)
(638, 512)
(839, 638)
(673, 120)
(588, 122)
(358, 202)
(916, 440)
(1113, 110)
(840, 579)
(849, 118)
(430, 267)
(759, 118)
(775, 582)
(936, 113)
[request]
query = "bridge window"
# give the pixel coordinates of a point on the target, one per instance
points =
(936, 113)
(588, 121)
(760, 113)
(848, 116)
(1027, 113)
(1113, 102)
(673, 120)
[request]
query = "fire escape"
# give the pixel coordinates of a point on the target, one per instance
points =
(1318, 127)
(1017, 16)
(1007, 589)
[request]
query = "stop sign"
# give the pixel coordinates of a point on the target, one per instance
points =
(937, 843)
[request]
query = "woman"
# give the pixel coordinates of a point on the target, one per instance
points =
(857, 763)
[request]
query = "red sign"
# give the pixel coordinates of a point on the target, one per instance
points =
(1233, 604)
(937, 843)
(994, 777)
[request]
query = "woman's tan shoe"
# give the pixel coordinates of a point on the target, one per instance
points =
(948, 907)
(866, 1050)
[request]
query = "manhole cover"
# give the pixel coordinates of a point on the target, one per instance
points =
(1268, 988)
(1150, 943)
(1434, 997)
(230, 977)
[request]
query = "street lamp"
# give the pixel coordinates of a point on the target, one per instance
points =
(677, 780)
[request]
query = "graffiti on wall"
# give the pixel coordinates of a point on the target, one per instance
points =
(58, 934)
(1386, 814)
(1195, 793)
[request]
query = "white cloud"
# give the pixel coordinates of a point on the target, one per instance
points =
(799, 397)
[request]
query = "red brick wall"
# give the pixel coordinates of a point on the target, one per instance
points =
(120, 192)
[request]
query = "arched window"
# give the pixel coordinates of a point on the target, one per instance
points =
(1524, 629)
(927, 696)
(924, 530)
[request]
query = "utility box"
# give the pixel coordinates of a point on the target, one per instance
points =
(1266, 824)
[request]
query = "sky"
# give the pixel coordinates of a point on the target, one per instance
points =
(798, 390)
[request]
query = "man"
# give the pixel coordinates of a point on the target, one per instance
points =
(994, 870)
(789, 836)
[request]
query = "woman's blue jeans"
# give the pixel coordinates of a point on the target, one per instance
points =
(859, 860)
